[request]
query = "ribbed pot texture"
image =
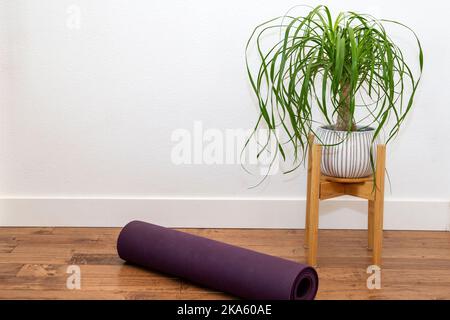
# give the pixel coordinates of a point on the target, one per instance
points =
(350, 158)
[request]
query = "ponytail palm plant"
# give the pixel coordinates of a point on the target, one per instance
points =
(347, 68)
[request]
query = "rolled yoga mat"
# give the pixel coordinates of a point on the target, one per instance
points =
(238, 271)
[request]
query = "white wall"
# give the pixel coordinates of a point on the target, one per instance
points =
(88, 109)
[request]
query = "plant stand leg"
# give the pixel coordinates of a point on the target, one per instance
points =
(308, 187)
(370, 216)
(379, 205)
(313, 194)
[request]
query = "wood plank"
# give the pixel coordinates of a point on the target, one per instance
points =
(308, 187)
(363, 190)
(329, 190)
(378, 209)
(313, 199)
(347, 180)
(416, 264)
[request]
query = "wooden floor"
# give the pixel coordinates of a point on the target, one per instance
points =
(33, 264)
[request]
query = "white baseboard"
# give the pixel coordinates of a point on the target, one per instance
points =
(345, 213)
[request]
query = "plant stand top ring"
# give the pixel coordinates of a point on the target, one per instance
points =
(347, 180)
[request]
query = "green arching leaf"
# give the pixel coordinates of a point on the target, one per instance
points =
(354, 55)
(324, 95)
(339, 61)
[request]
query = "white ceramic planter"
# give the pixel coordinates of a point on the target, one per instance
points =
(349, 157)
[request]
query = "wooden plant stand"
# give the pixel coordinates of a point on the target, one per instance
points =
(321, 187)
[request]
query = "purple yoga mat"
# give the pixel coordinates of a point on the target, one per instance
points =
(238, 271)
